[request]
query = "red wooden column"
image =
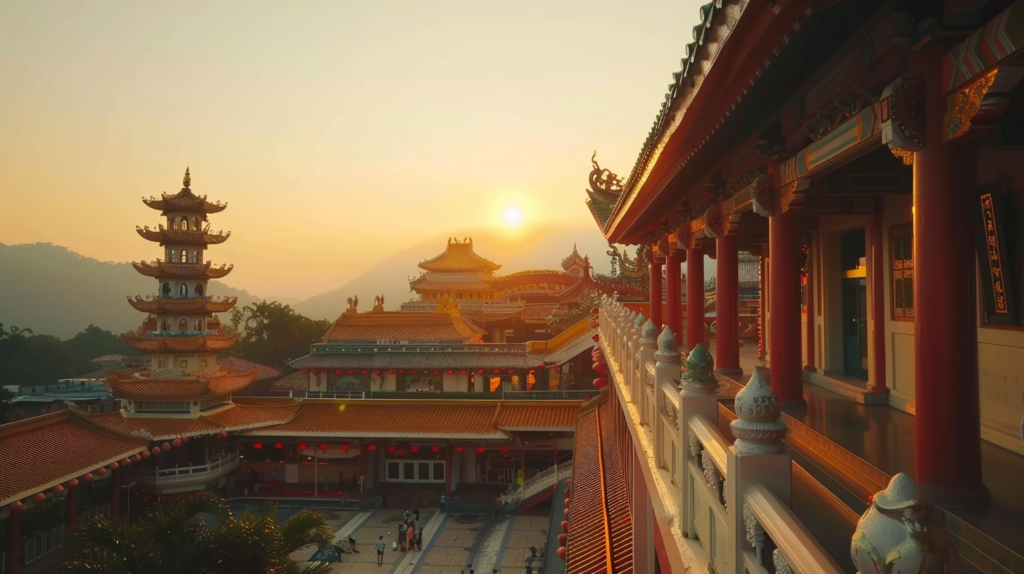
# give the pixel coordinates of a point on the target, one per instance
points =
(784, 292)
(115, 492)
(727, 301)
(71, 503)
(14, 525)
(948, 430)
(878, 374)
(762, 310)
(809, 332)
(448, 470)
(656, 292)
(673, 293)
(695, 297)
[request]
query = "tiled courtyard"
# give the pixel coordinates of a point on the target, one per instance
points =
(486, 544)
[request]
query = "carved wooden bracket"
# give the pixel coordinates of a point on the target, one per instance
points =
(964, 104)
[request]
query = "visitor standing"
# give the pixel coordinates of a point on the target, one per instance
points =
(442, 503)
(411, 533)
(380, 550)
(416, 514)
(419, 539)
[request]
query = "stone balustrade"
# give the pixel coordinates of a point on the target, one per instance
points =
(729, 501)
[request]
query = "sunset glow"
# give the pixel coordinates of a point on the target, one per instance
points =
(513, 216)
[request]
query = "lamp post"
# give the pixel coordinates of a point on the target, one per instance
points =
(128, 510)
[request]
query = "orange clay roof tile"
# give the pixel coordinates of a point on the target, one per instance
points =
(402, 326)
(530, 417)
(237, 417)
(459, 256)
(41, 452)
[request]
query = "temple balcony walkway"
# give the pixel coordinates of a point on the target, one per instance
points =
(850, 450)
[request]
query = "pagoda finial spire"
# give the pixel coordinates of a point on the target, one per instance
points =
(187, 180)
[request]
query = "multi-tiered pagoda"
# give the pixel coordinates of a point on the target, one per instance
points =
(182, 333)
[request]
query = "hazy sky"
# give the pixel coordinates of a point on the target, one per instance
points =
(339, 132)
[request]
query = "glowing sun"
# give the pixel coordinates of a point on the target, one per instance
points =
(513, 216)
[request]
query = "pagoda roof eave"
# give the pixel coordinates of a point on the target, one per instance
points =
(202, 305)
(183, 201)
(163, 270)
(178, 237)
(193, 344)
(679, 132)
(228, 382)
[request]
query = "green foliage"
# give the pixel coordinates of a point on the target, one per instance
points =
(8, 412)
(35, 360)
(199, 535)
(94, 342)
(273, 333)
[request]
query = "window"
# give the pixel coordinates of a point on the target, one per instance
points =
(195, 223)
(183, 290)
(184, 256)
(167, 289)
(195, 257)
(184, 223)
(167, 325)
(197, 325)
(183, 364)
(901, 238)
(183, 326)
(199, 289)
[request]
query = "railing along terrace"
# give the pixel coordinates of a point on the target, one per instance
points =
(335, 394)
(208, 471)
(729, 501)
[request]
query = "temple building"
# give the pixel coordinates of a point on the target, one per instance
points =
(869, 155)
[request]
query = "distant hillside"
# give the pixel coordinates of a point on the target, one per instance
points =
(55, 291)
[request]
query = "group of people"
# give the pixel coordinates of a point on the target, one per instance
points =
(410, 538)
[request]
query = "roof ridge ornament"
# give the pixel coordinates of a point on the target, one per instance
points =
(187, 180)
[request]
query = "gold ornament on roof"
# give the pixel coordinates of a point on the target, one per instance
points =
(187, 180)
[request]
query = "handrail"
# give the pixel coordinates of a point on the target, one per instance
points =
(335, 394)
(714, 443)
(800, 549)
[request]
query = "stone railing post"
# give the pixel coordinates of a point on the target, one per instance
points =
(648, 346)
(757, 456)
(666, 372)
(697, 397)
(636, 366)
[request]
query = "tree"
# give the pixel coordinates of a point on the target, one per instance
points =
(35, 360)
(94, 342)
(8, 412)
(272, 333)
(198, 535)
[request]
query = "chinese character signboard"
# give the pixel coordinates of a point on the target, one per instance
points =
(994, 257)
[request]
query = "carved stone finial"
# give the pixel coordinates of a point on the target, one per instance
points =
(700, 371)
(756, 428)
(667, 341)
(650, 331)
(187, 180)
(639, 321)
(900, 518)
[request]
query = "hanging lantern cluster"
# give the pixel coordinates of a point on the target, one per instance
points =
(564, 536)
(600, 366)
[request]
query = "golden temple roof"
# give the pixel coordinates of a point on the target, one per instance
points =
(184, 200)
(198, 305)
(165, 270)
(459, 256)
(440, 325)
(165, 236)
(180, 344)
(141, 385)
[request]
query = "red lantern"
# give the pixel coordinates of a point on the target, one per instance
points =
(38, 497)
(16, 505)
(305, 371)
(257, 446)
(223, 434)
(435, 449)
(114, 466)
(125, 461)
(390, 448)
(479, 450)
(345, 447)
(601, 368)
(350, 371)
(450, 372)
(376, 371)
(480, 371)
(166, 446)
(278, 445)
(156, 450)
(596, 337)
(145, 454)
(557, 368)
(504, 450)
(391, 371)
(57, 489)
(561, 552)
(177, 442)
(414, 448)
(414, 371)
(371, 447)
(323, 447)
(87, 477)
(402, 372)
(600, 383)
(496, 371)
(510, 371)
(137, 457)
(435, 372)
(72, 483)
(101, 471)
(184, 439)
(565, 511)
(302, 446)
(595, 311)
(337, 371)
(362, 372)
(324, 371)
(459, 448)
(462, 372)
(561, 539)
